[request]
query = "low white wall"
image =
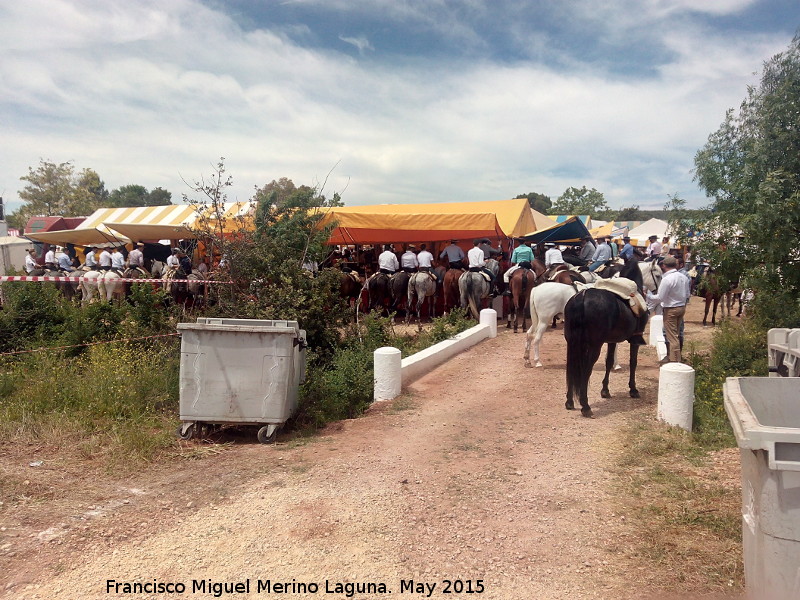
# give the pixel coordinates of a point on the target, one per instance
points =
(657, 335)
(415, 366)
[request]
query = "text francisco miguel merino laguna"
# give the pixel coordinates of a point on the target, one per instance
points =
(349, 589)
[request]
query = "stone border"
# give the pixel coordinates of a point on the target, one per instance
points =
(391, 372)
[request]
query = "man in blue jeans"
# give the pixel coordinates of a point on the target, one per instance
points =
(601, 254)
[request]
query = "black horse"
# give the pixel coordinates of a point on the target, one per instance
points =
(379, 291)
(595, 317)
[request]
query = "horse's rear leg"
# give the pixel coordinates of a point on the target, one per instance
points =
(633, 363)
(610, 360)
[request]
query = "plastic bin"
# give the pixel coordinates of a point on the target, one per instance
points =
(784, 352)
(765, 415)
(240, 371)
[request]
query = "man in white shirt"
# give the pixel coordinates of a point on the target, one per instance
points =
(552, 256)
(50, 258)
(172, 259)
(672, 295)
(408, 260)
(477, 262)
(387, 261)
(653, 249)
(90, 262)
(105, 260)
(425, 259)
(118, 260)
(30, 260)
(136, 257)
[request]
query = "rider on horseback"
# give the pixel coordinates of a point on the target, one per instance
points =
(387, 261)
(601, 255)
(454, 255)
(477, 262)
(408, 260)
(521, 257)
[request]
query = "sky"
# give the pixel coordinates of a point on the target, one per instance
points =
(382, 101)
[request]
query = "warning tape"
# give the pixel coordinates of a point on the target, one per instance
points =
(120, 280)
(147, 337)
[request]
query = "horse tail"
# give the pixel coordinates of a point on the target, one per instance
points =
(577, 326)
(472, 294)
(534, 314)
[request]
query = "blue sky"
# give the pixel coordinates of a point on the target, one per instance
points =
(383, 100)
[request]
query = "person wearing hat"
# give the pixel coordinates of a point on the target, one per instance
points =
(627, 250)
(602, 254)
(653, 250)
(587, 250)
(425, 259)
(488, 251)
(172, 259)
(454, 255)
(136, 257)
(477, 262)
(522, 257)
(408, 260)
(672, 295)
(64, 261)
(387, 261)
(30, 261)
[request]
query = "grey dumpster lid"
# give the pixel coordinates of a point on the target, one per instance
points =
(245, 326)
(765, 415)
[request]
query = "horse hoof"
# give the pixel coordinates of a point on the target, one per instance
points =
(587, 412)
(635, 394)
(538, 364)
(605, 394)
(569, 405)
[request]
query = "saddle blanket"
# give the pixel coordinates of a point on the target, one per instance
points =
(625, 289)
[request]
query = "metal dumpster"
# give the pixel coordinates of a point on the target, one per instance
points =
(765, 415)
(239, 371)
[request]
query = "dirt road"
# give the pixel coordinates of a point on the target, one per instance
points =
(476, 480)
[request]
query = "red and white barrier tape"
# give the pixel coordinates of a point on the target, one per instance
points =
(121, 279)
(147, 337)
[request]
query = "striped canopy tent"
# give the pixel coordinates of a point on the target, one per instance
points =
(173, 221)
(602, 231)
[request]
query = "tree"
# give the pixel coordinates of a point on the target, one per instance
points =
(629, 213)
(55, 189)
(137, 195)
(581, 201)
(750, 168)
(538, 202)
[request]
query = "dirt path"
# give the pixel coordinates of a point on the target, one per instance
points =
(477, 474)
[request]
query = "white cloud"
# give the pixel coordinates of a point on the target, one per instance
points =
(162, 90)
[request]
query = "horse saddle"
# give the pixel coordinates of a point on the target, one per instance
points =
(354, 276)
(627, 290)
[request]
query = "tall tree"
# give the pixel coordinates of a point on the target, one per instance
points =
(581, 201)
(137, 195)
(750, 168)
(55, 189)
(538, 202)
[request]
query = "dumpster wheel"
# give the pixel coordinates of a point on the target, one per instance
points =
(187, 431)
(268, 433)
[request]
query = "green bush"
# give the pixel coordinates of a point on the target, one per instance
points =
(739, 349)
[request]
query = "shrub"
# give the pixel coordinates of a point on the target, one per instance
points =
(739, 349)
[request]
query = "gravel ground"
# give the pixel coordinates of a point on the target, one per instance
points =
(476, 475)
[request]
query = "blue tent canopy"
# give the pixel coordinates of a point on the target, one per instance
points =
(571, 230)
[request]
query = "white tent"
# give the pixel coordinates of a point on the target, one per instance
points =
(648, 228)
(12, 253)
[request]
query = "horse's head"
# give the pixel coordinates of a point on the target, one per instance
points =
(630, 270)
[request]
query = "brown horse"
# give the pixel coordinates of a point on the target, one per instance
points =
(712, 291)
(350, 287)
(521, 283)
(452, 295)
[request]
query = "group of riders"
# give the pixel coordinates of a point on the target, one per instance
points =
(65, 262)
(593, 255)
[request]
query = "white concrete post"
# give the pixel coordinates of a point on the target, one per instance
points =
(676, 395)
(388, 381)
(656, 329)
(489, 317)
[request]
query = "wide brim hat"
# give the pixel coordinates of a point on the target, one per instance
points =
(653, 237)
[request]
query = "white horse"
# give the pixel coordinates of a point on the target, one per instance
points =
(89, 285)
(651, 275)
(547, 301)
(474, 287)
(109, 287)
(421, 286)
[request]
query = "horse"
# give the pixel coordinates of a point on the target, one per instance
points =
(521, 282)
(421, 286)
(651, 275)
(712, 291)
(350, 287)
(451, 289)
(398, 286)
(594, 317)
(133, 273)
(67, 288)
(474, 287)
(547, 301)
(378, 288)
(109, 287)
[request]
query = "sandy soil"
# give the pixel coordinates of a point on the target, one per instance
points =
(476, 475)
